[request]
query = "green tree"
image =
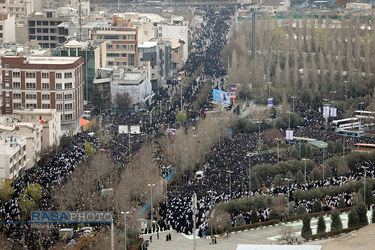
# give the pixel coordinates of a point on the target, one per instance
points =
(301, 209)
(336, 223)
(317, 206)
(338, 146)
(254, 217)
(342, 203)
(327, 172)
(30, 197)
(309, 151)
(306, 228)
(300, 177)
(303, 150)
(239, 220)
(123, 100)
(369, 196)
(316, 174)
(290, 177)
(254, 182)
(278, 181)
(181, 117)
(353, 219)
(321, 225)
(6, 192)
(274, 215)
(294, 153)
(361, 209)
(89, 150)
(96, 98)
(331, 147)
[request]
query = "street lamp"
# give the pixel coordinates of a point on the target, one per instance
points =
(211, 208)
(333, 97)
(299, 144)
(346, 89)
(364, 185)
(269, 89)
(293, 97)
(230, 182)
(278, 150)
(259, 122)
(125, 213)
(220, 132)
(353, 235)
(289, 118)
(304, 159)
(151, 185)
(249, 155)
(288, 195)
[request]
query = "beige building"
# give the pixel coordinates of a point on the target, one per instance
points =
(13, 157)
(50, 121)
(20, 9)
(7, 29)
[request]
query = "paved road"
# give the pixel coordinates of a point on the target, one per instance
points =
(267, 235)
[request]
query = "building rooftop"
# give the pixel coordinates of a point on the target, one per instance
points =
(147, 45)
(51, 60)
(36, 111)
(9, 144)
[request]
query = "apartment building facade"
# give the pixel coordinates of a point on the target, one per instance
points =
(44, 83)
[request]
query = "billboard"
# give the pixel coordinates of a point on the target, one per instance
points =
(233, 88)
(326, 109)
(221, 96)
(270, 102)
(289, 135)
(135, 130)
(122, 129)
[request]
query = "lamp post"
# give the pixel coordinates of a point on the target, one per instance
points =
(364, 185)
(230, 182)
(259, 122)
(353, 235)
(211, 208)
(289, 118)
(293, 97)
(249, 155)
(125, 213)
(323, 164)
(346, 89)
(333, 97)
(151, 185)
(288, 195)
(269, 89)
(278, 150)
(220, 133)
(299, 144)
(343, 146)
(304, 159)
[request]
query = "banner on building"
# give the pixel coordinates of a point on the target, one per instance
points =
(221, 96)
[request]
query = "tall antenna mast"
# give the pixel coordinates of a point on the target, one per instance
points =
(80, 20)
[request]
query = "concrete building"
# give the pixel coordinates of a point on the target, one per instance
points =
(175, 29)
(94, 56)
(274, 6)
(13, 157)
(159, 55)
(49, 119)
(121, 42)
(133, 81)
(44, 83)
(364, 5)
(103, 84)
(7, 29)
(20, 9)
(42, 26)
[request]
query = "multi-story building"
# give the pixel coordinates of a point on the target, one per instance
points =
(49, 119)
(121, 42)
(42, 26)
(12, 157)
(158, 54)
(94, 56)
(175, 29)
(103, 84)
(7, 29)
(20, 9)
(133, 81)
(44, 83)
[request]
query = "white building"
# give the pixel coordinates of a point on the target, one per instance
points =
(13, 157)
(274, 6)
(175, 29)
(7, 29)
(135, 82)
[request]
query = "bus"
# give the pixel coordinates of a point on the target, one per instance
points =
(362, 147)
(180, 75)
(351, 133)
(301, 139)
(345, 122)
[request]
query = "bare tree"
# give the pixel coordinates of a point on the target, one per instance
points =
(123, 100)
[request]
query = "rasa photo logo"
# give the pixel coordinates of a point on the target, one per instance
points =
(71, 217)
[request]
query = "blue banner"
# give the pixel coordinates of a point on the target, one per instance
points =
(221, 96)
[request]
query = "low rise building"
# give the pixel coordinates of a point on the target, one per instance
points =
(13, 157)
(274, 6)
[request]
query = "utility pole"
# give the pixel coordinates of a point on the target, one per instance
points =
(151, 185)
(364, 186)
(249, 155)
(230, 182)
(304, 159)
(194, 224)
(253, 35)
(293, 97)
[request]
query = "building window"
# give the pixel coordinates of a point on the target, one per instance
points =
(68, 85)
(46, 106)
(68, 96)
(49, 14)
(68, 106)
(17, 105)
(109, 46)
(16, 85)
(17, 95)
(30, 85)
(59, 96)
(59, 106)
(58, 85)
(45, 97)
(68, 75)
(16, 74)
(30, 74)
(58, 75)
(45, 85)
(45, 75)
(31, 96)
(31, 106)
(68, 117)
(131, 59)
